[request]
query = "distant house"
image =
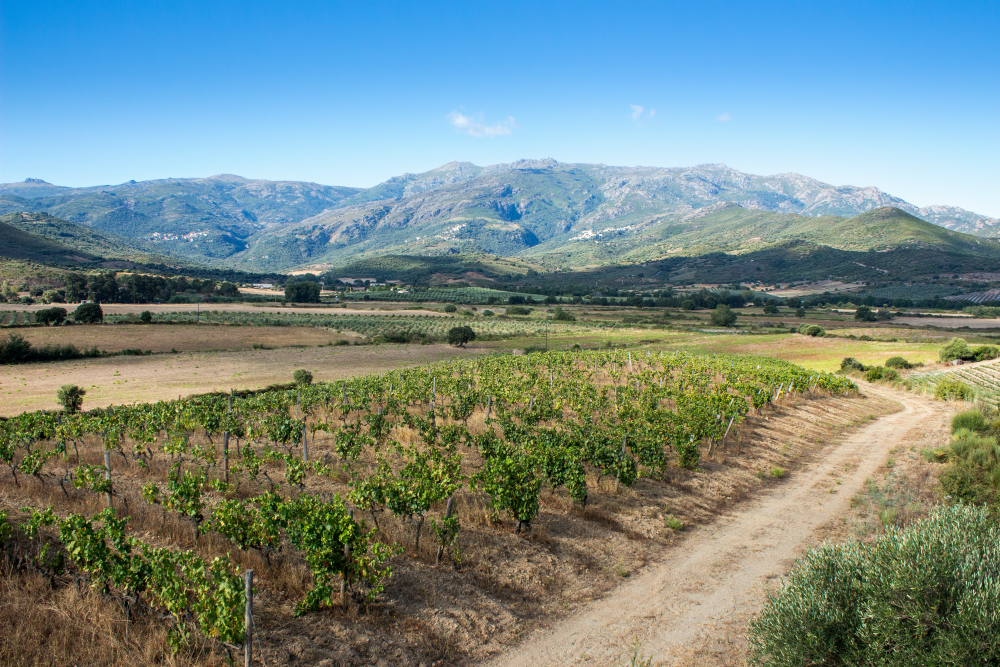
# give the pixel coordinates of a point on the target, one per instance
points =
(263, 285)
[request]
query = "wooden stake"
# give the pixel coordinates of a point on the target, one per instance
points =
(248, 619)
(343, 579)
(107, 471)
(447, 515)
(305, 444)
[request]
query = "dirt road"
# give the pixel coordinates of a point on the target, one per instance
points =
(696, 600)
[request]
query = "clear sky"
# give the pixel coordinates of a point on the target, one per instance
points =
(904, 96)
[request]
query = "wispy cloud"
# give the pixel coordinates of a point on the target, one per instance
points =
(475, 125)
(639, 114)
(724, 117)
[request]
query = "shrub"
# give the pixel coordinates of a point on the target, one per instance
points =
(925, 595)
(878, 373)
(518, 310)
(985, 352)
(800, 312)
(952, 390)
(957, 348)
(864, 314)
(562, 316)
(53, 296)
(303, 292)
(771, 309)
(70, 397)
(973, 473)
(811, 330)
(302, 377)
(450, 308)
(897, 362)
(723, 316)
(15, 350)
(852, 364)
(972, 420)
(88, 313)
(489, 313)
(51, 316)
(146, 317)
(341, 342)
(459, 336)
(688, 304)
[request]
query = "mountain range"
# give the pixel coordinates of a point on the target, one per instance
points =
(568, 215)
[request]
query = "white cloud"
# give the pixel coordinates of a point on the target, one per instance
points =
(724, 117)
(641, 114)
(475, 126)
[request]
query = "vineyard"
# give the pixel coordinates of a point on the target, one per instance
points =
(368, 326)
(912, 292)
(10, 318)
(983, 379)
(323, 488)
(460, 295)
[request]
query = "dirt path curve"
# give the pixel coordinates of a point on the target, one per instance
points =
(717, 575)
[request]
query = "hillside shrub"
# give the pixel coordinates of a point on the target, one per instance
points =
(459, 336)
(302, 377)
(973, 472)
(957, 348)
(55, 316)
(770, 309)
(146, 317)
(88, 313)
(953, 390)
(923, 595)
(14, 350)
(304, 292)
(723, 316)
(518, 310)
(450, 308)
(561, 315)
(970, 420)
(811, 330)
(881, 374)
(852, 364)
(898, 362)
(70, 397)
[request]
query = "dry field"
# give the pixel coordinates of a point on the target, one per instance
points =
(506, 585)
(128, 308)
(180, 337)
(132, 379)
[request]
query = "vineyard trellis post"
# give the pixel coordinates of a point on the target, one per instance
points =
(248, 624)
(447, 515)
(225, 443)
(305, 444)
(107, 471)
(347, 559)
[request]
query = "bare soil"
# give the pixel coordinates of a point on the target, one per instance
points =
(180, 337)
(128, 308)
(131, 379)
(692, 607)
(616, 560)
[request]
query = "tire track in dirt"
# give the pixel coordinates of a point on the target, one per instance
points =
(718, 574)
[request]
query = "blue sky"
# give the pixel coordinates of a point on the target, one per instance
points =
(904, 96)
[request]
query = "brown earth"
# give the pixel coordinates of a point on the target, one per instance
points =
(502, 587)
(180, 337)
(378, 308)
(132, 379)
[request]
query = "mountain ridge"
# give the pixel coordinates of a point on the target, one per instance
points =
(524, 208)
